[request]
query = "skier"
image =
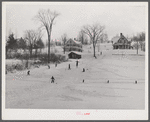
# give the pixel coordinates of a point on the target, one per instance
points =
(77, 63)
(83, 70)
(48, 66)
(108, 81)
(56, 64)
(28, 73)
(69, 67)
(52, 79)
(101, 53)
(83, 80)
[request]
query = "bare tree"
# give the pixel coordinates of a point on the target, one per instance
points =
(64, 40)
(139, 38)
(82, 38)
(47, 17)
(38, 42)
(103, 38)
(94, 32)
(31, 36)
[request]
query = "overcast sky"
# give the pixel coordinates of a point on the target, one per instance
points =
(118, 17)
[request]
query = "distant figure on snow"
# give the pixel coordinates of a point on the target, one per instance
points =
(135, 82)
(101, 53)
(69, 67)
(77, 63)
(28, 73)
(56, 64)
(83, 70)
(48, 67)
(83, 80)
(108, 81)
(52, 79)
(95, 57)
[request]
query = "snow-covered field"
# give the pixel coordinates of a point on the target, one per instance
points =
(69, 92)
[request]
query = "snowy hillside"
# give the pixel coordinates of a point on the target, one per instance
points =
(69, 91)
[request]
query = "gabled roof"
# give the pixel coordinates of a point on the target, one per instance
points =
(115, 39)
(78, 53)
(74, 41)
(122, 37)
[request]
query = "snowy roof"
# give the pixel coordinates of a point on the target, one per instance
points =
(79, 53)
(74, 41)
(115, 39)
(77, 42)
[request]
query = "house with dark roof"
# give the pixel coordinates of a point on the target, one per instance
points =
(73, 45)
(121, 42)
(74, 55)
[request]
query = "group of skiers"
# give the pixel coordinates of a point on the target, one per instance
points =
(69, 68)
(52, 78)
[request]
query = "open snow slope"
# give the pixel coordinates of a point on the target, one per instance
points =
(69, 92)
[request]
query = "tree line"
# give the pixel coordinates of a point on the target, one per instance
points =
(33, 38)
(140, 41)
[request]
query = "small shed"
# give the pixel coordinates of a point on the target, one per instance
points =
(74, 55)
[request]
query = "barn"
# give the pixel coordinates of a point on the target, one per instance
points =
(74, 55)
(122, 42)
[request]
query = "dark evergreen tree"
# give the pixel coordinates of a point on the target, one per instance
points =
(11, 43)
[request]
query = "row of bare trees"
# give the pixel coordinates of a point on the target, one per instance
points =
(140, 39)
(95, 32)
(32, 40)
(47, 19)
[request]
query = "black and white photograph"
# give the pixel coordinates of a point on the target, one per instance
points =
(75, 60)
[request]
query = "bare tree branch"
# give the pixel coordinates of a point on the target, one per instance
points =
(94, 32)
(64, 40)
(47, 17)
